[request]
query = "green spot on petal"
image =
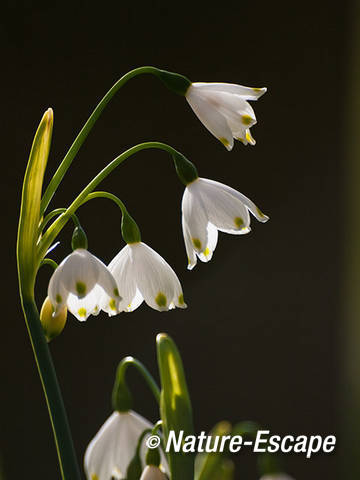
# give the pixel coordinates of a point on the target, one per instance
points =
(257, 89)
(246, 119)
(94, 476)
(58, 298)
(181, 299)
(197, 243)
(160, 299)
(112, 304)
(260, 213)
(239, 222)
(224, 141)
(82, 312)
(80, 288)
(207, 251)
(116, 292)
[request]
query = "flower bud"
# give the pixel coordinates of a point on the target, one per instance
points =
(52, 325)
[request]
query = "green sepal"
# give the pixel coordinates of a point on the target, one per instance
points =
(209, 466)
(185, 169)
(79, 238)
(30, 201)
(134, 469)
(129, 229)
(174, 81)
(175, 405)
(153, 457)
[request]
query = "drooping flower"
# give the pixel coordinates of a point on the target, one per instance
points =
(209, 206)
(79, 282)
(142, 274)
(153, 473)
(113, 447)
(224, 110)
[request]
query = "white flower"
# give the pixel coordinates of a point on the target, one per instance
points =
(114, 446)
(142, 274)
(223, 109)
(153, 473)
(79, 282)
(276, 476)
(209, 206)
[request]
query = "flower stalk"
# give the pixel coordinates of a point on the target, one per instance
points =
(27, 268)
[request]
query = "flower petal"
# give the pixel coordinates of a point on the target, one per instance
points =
(224, 210)
(151, 472)
(190, 252)
(258, 214)
(212, 119)
(212, 241)
(156, 280)
(122, 270)
(81, 308)
(80, 272)
(195, 216)
(56, 291)
(249, 93)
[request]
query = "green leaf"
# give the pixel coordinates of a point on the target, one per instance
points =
(175, 405)
(212, 466)
(31, 198)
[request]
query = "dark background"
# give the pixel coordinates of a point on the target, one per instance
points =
(259, 339)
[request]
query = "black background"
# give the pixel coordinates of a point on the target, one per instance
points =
(259, 339)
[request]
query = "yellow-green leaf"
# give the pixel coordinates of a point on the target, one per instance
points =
(31, 197)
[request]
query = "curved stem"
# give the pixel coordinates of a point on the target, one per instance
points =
(54, 213)
(123, 365)
(49, 261)
(56, 227)
(84, 132)
(108, 195)
(63, 440)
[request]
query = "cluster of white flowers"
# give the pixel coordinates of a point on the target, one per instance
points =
(137, 273)
(85, 286)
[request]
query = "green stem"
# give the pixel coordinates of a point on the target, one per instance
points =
(60, 222)
(123, 365)
(108, 195)
(64, 444)
(75, 147)
(49, 261)
(54, 213)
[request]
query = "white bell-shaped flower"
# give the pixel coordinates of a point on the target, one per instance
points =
(113, 447)
(142, 274)
(224, 110)
(79, 282)
(209, 206)
(151, 472)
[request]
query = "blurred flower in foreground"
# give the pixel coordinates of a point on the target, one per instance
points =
(79, 282)
(223, 109)
(142, 274)
(151, 472)
(113, 447)
(209, 206)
